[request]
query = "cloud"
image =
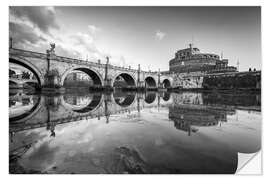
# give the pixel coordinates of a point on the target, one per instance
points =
(24, 34)
(93, 29)
(86, 44)
(66, 52)
(160, 35)
(42, 17)
(33, 28)
(82, 39)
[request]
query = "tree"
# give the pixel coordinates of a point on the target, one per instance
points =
(11, 73)
(25, 75)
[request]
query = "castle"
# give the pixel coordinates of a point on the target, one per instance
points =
(192, 60)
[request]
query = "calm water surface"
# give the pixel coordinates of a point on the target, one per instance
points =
(132, 133)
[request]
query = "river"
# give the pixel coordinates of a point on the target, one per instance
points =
(151, 132)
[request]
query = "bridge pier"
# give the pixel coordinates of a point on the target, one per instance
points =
(140, 85)
(52, 78)
(52, 83)
(108, 85)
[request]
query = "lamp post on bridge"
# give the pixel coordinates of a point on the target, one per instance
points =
(138, 78)
(159, 85)
(106, 68)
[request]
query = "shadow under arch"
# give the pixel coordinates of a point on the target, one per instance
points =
(31, 84)
(123, 99)
(129, 80)
(166, 96)
(94, 103)
(11, 82)
(166, 83)
(13, 93)
(150, 82)
(150, 97)
(95, 76)
(27, 66)
(26, 114)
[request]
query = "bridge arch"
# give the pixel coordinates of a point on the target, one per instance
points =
(129, 79)
(26, 64)
(93, 74)
(150, 82)
(166, 83)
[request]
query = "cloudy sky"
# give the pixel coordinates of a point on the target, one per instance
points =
(140, 35)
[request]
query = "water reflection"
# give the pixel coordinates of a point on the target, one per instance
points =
(166, 96)
(22, 105)
(124, 100)
(132, 132)
(150, 97)
(83, 103)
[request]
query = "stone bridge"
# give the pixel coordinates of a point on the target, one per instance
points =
(51, 71)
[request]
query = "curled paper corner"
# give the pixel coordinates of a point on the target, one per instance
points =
(249, 164)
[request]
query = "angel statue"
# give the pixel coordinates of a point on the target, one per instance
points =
(52, 46)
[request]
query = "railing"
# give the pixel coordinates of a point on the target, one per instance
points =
(75, 61)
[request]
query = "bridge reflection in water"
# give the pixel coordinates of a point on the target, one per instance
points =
(184, 131)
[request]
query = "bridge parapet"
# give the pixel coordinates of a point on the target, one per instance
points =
(26, 53)
(78, 61)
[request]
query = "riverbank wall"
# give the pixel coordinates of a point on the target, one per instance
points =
(235, 81)
(244, 81)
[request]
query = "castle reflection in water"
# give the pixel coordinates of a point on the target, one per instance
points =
(184, 128)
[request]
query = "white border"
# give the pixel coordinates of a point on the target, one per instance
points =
(265, 76)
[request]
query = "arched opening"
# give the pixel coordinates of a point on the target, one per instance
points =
(84, 103)
(124, 80)
(166, 83)
(150, 98)
(124, 99)
(150, 82)
(23, 71)
(82, 77)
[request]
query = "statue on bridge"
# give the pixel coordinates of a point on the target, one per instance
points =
(52, 47)
(51, 50)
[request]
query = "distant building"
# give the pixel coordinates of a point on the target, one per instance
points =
(78, 76)
(192, 60)
(78, 79)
